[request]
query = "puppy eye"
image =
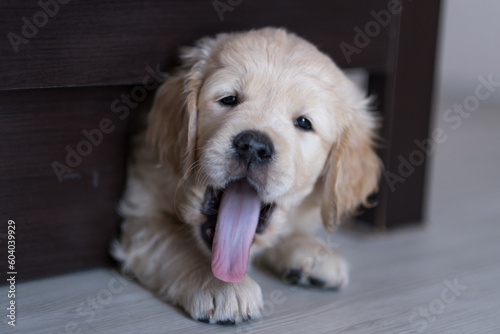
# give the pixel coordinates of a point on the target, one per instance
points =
(303, 123)
(229, 101)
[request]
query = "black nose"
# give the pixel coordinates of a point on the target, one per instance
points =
(253, 147)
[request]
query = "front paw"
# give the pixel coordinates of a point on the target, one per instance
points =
(301, 259)
(213, 301)
(330, 271)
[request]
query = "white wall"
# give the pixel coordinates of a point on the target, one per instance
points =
(469, 47)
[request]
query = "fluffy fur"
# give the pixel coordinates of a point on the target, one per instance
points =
(316, 175)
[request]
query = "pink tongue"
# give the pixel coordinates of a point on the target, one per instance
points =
(236, 224)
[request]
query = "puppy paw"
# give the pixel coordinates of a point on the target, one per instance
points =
(301, 259)
(218, 302)
(330, 271)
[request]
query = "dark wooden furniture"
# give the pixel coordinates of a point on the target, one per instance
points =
(63, 68)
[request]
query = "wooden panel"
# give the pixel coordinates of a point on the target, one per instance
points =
(66, 226)
(61, 226)
(107, 43)
(406, 97)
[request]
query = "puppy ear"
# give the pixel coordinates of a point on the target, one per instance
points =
(172, 121)
(353, 169)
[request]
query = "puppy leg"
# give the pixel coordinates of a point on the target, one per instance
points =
(299, 258)
(165, 258)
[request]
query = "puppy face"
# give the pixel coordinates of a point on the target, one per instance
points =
(280, 108)
(266, 118)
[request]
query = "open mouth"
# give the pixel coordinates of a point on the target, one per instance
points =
(234, 215)
(211, 208)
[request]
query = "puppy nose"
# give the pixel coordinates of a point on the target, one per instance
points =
(253, 147)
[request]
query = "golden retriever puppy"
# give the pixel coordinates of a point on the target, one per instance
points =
(253, 141)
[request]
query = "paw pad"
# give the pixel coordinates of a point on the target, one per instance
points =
(292, 276)
(318, 282)
(205, 320)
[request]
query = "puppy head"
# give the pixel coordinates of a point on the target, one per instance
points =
(251, 122)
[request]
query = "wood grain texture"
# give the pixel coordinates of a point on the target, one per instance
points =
(109, 46)
(408, 111)
(68, 225)
(405, 100)
(108, 43)
(394, 275)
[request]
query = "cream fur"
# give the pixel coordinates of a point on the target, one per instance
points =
(277, 77)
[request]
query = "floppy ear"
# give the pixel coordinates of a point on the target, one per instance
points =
(172, 121)
(352, 170)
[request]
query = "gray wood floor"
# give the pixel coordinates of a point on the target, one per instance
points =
(443, 277)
